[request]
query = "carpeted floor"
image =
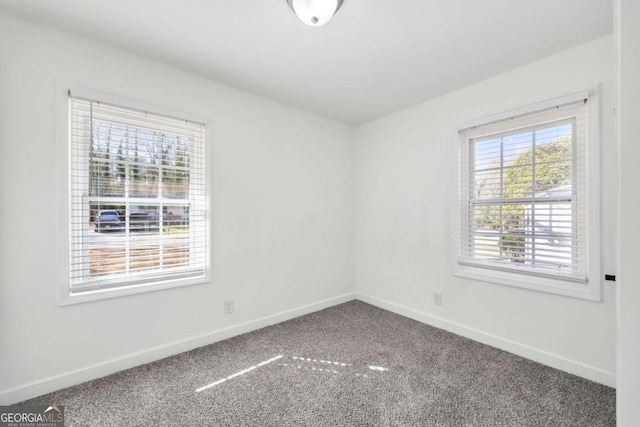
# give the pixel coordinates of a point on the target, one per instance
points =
(349, 365)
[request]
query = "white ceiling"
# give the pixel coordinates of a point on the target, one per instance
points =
(374, 58)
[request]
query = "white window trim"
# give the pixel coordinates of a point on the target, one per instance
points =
(64, 294)
(592, 289)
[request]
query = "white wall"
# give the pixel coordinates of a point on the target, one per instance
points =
(628, 280)
(282, 213)
(406, 197)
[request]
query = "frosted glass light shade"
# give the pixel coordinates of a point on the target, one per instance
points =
(315, 12)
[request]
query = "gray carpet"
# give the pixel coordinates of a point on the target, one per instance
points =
(349, 365)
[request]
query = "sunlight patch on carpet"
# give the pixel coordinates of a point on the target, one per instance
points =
(237, 374)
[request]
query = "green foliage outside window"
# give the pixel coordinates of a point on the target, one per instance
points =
(523, 178)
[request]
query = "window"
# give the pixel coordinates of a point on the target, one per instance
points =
(525, 202)
(137, 198)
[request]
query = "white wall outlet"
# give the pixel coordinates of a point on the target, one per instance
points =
(228, 306)
(437, 298)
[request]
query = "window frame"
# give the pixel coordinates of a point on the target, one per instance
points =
(66, 295)
(591, 289)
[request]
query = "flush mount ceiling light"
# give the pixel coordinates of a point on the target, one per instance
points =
(315, 12)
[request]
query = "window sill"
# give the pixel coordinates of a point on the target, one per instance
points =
(80, 296)
(587, 291)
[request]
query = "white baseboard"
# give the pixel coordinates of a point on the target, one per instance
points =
(69, 379)
(549, 359)
(57, 382)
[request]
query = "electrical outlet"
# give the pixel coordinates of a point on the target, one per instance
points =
(437, 298)
(228, 306)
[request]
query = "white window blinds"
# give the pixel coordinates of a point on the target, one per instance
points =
(137, 197)
(524, 204)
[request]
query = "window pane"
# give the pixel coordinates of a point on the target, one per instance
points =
(106, 178)
(106, 259)
(486, 217)
(176, 220)
(144, 181)
(487, 153)
(145, 253)
(554, 158)
(518, 180)
(516, 148)
(487, 184)
(144, 219)
(551, 134)
(552, 238)
(554, 179)
(176, 227)
(486, 245)
(512, 240)
(175, 183)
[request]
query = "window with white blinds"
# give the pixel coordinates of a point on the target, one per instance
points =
(524, 196)
(137, 197)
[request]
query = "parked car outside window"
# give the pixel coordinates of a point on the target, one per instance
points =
(143, 221)
(108, 220)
